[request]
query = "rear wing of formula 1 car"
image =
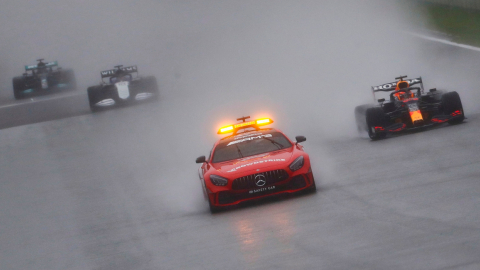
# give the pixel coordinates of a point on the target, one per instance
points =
(387, 87)
(112, 72)
(48, 64)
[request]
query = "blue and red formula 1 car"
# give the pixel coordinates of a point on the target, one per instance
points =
(408, 107)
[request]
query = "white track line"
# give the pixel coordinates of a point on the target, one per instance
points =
(464, 46)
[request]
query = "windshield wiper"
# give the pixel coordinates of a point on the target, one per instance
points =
(238, 151)
(279, 145)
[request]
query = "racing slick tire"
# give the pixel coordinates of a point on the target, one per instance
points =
(375, 117)
(69, 77)
(312, 188)
(213, 209)
(93, 99)
(150, 84)
(451, 102)
(360, 112)
(18, 87)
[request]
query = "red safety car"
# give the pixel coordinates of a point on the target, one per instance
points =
(253, 163)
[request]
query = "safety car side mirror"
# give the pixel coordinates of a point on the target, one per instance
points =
(300, 139)
(381, 100)
(433, 90)
(201, 159)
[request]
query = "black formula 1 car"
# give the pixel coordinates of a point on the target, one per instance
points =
(407, 107)
(43, 78)
(119, 87)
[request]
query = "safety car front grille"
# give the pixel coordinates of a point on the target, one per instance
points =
(249, 181)
(225, 197)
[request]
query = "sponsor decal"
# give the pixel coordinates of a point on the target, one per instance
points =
(130, 69)
(51, 64)
(394, 84)
(256, 162)
(253, 157)
(250, 138)
(108, 72)
(48, 64)
(240, 136)
(111, 72)
(261, 189)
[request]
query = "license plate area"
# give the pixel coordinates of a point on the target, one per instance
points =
(261, 190)
(226, 197)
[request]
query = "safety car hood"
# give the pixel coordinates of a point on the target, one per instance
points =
(266, 160)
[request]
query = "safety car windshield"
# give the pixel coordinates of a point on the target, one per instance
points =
(250, 144)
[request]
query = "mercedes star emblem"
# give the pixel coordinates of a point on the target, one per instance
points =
(260, 180)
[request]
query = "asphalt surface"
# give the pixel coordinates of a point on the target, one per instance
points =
(119, 190)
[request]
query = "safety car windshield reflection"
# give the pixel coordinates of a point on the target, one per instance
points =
(239, 147)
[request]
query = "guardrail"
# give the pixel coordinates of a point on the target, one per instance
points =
(467, 4)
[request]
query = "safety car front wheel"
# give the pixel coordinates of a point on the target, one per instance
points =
(213, 208)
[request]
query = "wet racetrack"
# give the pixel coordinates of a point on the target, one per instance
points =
(119, 190)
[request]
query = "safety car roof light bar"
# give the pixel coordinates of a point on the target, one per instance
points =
(255, 124)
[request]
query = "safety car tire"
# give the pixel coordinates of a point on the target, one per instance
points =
(451, 102)
(213, 208)
(375, 117)
(312, 188)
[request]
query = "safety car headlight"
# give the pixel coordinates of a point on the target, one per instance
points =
(218, 180)
(297, 164)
